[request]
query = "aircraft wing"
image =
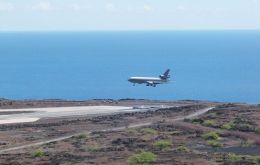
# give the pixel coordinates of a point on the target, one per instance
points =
(150, 82)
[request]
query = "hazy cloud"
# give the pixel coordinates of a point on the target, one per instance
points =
(256, 1)
(181, 8)
(110, 7)
(77, 7)
(6, 6)
(148, 7)
(42, 6)
(90, 14)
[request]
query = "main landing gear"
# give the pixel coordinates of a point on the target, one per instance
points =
(152, 85)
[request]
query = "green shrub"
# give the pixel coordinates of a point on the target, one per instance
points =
(245, 127)
(148, 131)
(142, 158)
(38, 153)
(132, 131)
(197, 121)
(247, 143)
(173, 132)
(229, 125)
(209, 123)
(163, 144)
(257, 129)
(212, 115)
(234, 158)
(214, 143)
(82, 136)
(210, 136)
(64, 163)
(256, 159)
(243, 159)
(182, 149)
(251, 159)
(94, 148)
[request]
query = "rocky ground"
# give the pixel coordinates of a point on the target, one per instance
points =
(227, 134)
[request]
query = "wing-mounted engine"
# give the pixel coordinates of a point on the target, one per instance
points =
(151, 83)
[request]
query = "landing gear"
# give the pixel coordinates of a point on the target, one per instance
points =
(152, 85)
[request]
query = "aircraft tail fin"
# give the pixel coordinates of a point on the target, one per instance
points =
(165, 75)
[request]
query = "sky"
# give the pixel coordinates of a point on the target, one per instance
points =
(84, 15)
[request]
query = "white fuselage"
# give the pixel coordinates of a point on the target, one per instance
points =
(152, 80)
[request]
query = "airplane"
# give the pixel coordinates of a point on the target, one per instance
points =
(151, 81)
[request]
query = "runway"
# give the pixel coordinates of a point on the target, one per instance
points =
(34, 114)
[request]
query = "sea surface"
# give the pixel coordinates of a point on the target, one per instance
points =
(205, 65)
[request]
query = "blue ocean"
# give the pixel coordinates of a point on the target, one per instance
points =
(205, 65)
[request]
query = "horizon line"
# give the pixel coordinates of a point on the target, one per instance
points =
(130, 30)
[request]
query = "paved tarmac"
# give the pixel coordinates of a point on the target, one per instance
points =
(34, 114)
